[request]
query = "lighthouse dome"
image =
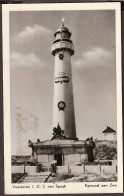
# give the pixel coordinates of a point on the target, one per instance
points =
(63, 29)
(62, 41)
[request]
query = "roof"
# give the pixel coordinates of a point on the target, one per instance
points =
(109, 130)
(62, 29)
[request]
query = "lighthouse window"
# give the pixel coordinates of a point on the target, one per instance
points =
(61, 56)
(61, 105)
(65, 35)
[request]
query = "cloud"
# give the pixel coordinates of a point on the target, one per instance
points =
(95, 56)
(31, 31)
(19, 59)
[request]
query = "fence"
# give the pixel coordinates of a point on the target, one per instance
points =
(17, 169)
(23, 169)
(89, 169)
(29, 169)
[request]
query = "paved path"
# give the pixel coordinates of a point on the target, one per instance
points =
(35, 177)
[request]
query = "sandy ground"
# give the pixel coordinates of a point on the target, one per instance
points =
(84, 178)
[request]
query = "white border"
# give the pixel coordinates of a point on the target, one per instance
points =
(70, 187)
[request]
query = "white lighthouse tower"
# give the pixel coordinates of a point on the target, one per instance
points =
(63, 147)
(63, 106)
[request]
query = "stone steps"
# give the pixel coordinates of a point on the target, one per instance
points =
(40, 177)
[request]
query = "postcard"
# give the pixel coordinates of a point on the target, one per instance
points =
(62, 85)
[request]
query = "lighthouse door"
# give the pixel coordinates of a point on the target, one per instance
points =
(58, 158)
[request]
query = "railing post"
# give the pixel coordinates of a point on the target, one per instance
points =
(68, 169)
(83, 168)
(99, 168)
(24, 168)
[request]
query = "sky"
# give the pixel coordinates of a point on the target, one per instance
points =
(32, 73)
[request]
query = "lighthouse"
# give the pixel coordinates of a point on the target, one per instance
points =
(63, 148)
(63, 105)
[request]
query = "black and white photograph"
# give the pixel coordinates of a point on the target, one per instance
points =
(62, 98)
